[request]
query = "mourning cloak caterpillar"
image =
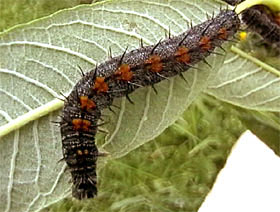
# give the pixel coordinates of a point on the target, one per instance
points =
(120, 76)
(233, 2)
(262, 20)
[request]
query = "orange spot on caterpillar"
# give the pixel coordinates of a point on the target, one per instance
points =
(86, 103)
(79, 152)
(100, 85)
(205, 43)
(86, 152)
(80, 124)
(124, 73)
(277, 19)
(182, 55)
(222, 33)
(154, 63)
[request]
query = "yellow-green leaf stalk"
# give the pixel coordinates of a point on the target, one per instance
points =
(274, 5)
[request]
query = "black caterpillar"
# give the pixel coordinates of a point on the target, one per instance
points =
(233, 2)
(262, 20)
(120, 76)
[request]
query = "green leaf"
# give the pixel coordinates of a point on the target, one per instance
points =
(245, 81)
(15, 12)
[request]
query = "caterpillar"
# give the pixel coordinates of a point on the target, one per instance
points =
(233, 2)
(262, 20)
(121, 75)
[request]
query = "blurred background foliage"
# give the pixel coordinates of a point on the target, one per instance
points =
(13, 12)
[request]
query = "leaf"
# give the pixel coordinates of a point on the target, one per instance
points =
(31, 176)
(248, 83)
(15, 12)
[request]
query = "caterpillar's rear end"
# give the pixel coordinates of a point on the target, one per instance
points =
(78, 140)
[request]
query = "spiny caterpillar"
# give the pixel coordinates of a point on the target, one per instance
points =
(262, 20)
(233, 2)
(121, 75)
